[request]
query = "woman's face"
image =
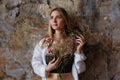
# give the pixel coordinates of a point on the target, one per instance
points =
(57, 21)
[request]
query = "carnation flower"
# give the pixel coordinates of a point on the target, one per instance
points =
(49, 39)
(49, 50)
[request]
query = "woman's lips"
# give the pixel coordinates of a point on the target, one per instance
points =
(54, 25)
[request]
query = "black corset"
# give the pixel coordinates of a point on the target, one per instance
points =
(65, 66)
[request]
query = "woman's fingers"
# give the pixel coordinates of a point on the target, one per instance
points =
(81, 37)
(79, 41)
(54, 63)
(57, 62)
(53, 60)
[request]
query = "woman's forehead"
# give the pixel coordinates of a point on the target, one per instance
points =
(56, 12)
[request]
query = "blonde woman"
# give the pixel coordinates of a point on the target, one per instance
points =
(59, 56)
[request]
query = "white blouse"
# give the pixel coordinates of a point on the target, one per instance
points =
(39, 63)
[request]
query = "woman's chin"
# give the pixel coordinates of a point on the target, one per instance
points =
(55, 28)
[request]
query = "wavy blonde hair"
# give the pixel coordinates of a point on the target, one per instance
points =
(66, 17)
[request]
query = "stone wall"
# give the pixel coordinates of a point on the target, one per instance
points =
(24, 22)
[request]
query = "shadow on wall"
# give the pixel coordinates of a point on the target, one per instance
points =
(97, 46)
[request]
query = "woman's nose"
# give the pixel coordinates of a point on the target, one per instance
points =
(54, 20)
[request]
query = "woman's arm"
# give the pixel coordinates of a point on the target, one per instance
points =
(79, 55)
(37, 63)
(79, 62)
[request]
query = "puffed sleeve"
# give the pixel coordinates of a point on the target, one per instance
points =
(79, 62)
(37, 63)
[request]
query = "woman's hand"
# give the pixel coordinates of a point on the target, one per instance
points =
(80, 41)
(53, 64)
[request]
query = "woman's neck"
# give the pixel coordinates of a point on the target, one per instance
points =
(60, 35)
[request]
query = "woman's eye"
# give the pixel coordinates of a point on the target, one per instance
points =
(58, 16)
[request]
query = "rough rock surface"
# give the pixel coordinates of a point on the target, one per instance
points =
(24, 22)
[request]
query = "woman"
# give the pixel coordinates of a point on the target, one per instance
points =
(59, 56)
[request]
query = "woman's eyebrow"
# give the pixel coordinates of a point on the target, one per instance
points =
(56, 16)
